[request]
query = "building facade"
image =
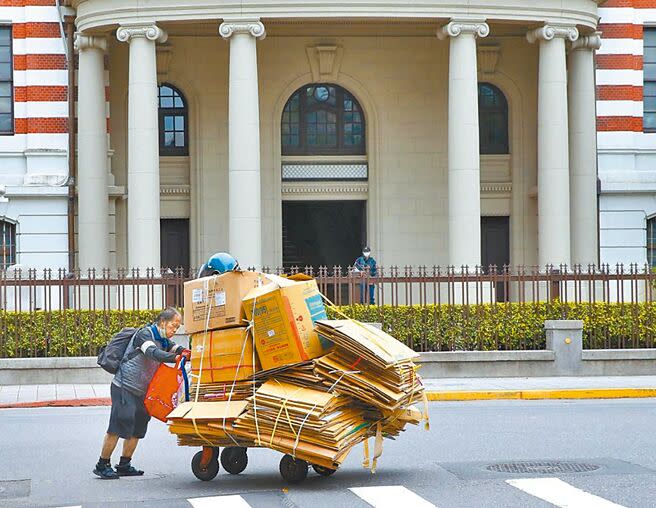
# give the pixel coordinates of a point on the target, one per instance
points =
(294, 133)
(33, 136)
(626, 93)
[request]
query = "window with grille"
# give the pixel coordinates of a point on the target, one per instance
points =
(651, 242)
(322, 119)
(173, 120)
(7, 244)
(649, 72)
(492, 120)
(6, 82)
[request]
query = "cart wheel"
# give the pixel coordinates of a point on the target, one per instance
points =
(293, 470)
(323, 471)
(234, 459)
(208, 472)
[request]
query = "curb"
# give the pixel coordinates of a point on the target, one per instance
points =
(566, 393)
(100, 401)
(433, 396)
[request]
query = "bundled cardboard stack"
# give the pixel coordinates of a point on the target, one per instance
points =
(296, 382)
(207, 424)
(310, 424)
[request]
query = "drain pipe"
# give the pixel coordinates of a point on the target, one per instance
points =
(72, 144)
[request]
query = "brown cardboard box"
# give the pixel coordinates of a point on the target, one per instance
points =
(215, 302)
(284, 313)
(227, 355)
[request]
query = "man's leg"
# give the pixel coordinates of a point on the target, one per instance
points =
(372, 291)
(109, 445)
(125, 467)
(103, 467)
(129, 446)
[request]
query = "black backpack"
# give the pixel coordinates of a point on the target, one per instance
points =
(111, 355)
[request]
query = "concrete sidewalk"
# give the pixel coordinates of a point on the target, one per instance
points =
(446, 389)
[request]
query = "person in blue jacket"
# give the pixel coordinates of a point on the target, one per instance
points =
(366, 263)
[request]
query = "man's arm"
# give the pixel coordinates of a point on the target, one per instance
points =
(145, 342)
(373, 268)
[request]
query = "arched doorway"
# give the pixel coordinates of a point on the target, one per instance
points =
(324, 177)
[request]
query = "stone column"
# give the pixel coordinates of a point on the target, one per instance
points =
(143, 145)
(583, 150)
(553, 141)
(245, 218)
(93, 197)
(464, 158)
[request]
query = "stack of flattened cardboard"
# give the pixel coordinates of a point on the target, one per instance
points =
(302, 374)
(369, 365)
(190, 422)
(313, 425)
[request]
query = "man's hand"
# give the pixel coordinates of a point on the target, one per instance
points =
(186, 353)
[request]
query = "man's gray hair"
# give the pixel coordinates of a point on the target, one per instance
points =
(168, 314)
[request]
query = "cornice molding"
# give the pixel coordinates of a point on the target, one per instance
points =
(496, 188)
(150, 31)
(253, 27)
(456, 27)
(174, 190)
(551, 32)
(324, 188)
(83, 42)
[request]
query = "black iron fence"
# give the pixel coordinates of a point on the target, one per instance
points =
(429, 308)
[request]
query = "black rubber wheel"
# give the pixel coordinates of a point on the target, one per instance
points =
(208, 473)
(293, 470)
(234, 459)
(323, 471)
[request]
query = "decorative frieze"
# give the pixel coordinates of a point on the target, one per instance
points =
(487, 58)
(325, 61)
(333, 190)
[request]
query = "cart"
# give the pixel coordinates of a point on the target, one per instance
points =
(234, 459)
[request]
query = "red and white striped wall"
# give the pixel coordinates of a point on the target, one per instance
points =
(627, 155)
(40, 76)
(619, 73)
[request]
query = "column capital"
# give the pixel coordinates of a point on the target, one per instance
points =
(253, 27)
(590, 42)
(83, 42)
(550, 32)
(455, 27)
(150, 31)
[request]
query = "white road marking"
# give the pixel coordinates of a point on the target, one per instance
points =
(391, 497)
(219, 501)
(561, 494)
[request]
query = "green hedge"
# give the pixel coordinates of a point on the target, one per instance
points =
(505, 326)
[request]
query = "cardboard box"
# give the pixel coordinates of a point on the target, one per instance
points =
(284, 313)
(215, 302)
(227, 355)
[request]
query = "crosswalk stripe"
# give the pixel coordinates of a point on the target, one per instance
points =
(219, 501)
(560, 493)
(390, 497)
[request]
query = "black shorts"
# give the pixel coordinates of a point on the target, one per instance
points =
(128, 417)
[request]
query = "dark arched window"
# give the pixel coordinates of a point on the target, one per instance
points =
(7, 244)
(173, 124)
(492, 120)
(322, 119)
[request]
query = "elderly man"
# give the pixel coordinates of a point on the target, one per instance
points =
(150, 346)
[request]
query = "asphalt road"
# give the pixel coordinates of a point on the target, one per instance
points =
(46, 457)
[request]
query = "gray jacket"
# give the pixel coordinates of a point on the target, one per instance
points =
(142, 357)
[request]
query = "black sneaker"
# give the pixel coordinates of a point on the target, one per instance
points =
(128, 470)
(105, 472)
